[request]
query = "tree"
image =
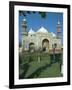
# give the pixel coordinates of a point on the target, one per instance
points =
(24, 13)
(20, 44)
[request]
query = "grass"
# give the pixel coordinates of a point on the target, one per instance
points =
(39, 65)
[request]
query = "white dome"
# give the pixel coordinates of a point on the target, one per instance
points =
(53, 34)
(43, 30)
(31, 31)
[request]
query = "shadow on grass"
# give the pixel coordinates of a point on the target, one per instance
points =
(25, 68)
(38, 71)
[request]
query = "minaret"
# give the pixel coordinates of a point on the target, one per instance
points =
(59, 33)
(24, 27)
(24, 34)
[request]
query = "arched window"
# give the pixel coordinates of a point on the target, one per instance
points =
(45, 44)
(31, 47)
(54, 45)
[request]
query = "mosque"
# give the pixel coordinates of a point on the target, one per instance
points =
(42, 39)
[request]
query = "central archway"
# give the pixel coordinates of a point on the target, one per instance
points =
(31, 47)
(45, 45)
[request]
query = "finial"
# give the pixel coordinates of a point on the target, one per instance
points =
(58, 22)
(24, 19)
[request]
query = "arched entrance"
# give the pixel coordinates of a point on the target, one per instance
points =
(45, 45)
(31, 47)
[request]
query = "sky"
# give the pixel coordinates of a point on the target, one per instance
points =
(35, 21)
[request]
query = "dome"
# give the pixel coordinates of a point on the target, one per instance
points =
(53, 34)
(31, 31)
(43, 30)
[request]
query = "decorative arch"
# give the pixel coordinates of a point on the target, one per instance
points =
(31, 46)
(31, 43)
(45, 44)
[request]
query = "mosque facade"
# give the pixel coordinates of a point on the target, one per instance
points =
(41, 40)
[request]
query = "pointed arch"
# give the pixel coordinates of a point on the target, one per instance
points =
(45, 44)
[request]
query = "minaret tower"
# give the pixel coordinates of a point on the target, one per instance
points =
(24, 34)
(59, 33)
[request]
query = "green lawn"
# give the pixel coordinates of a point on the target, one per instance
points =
(39, 65)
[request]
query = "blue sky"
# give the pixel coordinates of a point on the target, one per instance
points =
(35, 21)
